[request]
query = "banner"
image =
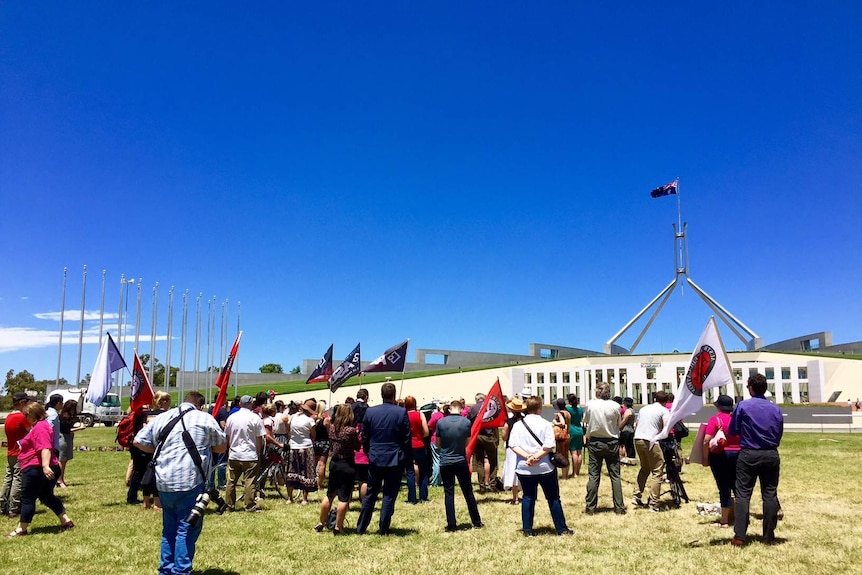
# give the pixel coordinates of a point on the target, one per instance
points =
(142, 392)
(665, 190)
(393, 359)
(323, 371)
(348, 368)
(108, 361)
(492, 414)
(224, 376)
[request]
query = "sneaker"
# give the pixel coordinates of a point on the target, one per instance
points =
(565, 532)
(450, 529)
(589, 511)
(737, 542)
(620, 511)
(479, 525)
(637, 502)
(529, 533)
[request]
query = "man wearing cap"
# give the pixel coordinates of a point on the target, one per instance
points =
(486, 448)
(602, 422)
(651, 419)
(16, 428)
(453, 433)
(244, 431)
(759, 425)
(386, 440)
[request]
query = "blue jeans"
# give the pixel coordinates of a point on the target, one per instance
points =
(34, 485)
(420, 458)
(462, 472)
(178, 537)
(389, 479)
(551, 488)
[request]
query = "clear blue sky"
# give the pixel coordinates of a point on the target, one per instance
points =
(469, 175)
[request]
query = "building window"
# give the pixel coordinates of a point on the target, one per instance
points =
(650, 374)
(553, 377)
(528, 378)
(752, 371)
(787, 396)
(598, 376)
(624, 378)
(650, 389)
(770, 373)
(636, 393)
(553, 394)
(803, 392)
(785, 373)
(738, 397)
(770, 387)
(540, 392)
(577, 377)
(610, 376)
(737, 374)
(567, 377)
(802, 372)
(566, 391)
(540, 378)
(680, 376)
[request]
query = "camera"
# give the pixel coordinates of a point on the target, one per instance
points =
(201, 503)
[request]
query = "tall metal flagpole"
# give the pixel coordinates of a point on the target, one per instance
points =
(62, 317)
(222, 334)
(198, 341)
(236, 359)
(209, 345)
(102, 308)
(169, 340)
(153, 334)
(138, 317)
(119, 376)
(81, 329)
(183, 340)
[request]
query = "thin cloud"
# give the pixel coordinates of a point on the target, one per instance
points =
(75, 315)
(19, 338)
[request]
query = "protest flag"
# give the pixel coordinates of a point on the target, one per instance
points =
(223, 378)
(323, 371)
(709, 368)
(108, 361)
(393, 359)
(348, 368)
(142, 392)
(492, 414)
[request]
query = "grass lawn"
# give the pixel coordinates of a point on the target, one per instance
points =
(820, 534)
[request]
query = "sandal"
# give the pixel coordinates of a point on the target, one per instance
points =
(17, 532)
(318, 527)
(67, 525)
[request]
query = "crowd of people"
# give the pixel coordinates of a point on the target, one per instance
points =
(370, 450)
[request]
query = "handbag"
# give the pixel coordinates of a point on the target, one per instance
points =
(717, 443)
(557, 458)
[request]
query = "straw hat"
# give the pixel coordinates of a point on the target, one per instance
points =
(516, 405)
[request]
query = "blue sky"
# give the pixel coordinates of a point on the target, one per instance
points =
(469, 176)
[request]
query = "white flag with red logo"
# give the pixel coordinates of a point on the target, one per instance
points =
(709, 368)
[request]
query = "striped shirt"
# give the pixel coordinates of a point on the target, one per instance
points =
(175, 469)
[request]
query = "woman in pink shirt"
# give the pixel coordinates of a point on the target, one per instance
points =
(722, 458)
(40, 469)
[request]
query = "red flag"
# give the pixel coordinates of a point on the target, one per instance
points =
(492, 414)
(224, 376)
(142, 391)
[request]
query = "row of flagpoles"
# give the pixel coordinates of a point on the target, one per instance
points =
(215, 351)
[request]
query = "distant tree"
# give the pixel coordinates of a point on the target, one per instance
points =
(296, 370)
(159, 371)
(22, 381)
(86, 380)
(271, 368)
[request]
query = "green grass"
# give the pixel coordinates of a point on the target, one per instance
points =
(818, 490)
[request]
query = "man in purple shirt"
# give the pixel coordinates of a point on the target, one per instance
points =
(759, 424)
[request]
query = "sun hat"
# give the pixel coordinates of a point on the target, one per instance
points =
(724, 403)
(516, 405)
(309, 406)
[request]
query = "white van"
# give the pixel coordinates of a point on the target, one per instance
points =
(108, 412)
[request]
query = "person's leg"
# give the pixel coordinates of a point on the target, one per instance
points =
(612, 462)
(15, 489)
(234, 469)
(746, 476)
(656, 466)
(551, 488)
(594, 467)
(250, 470)
(411, 483)
(423, 469)
(187, 535)
(344, 483)
(530, 487)
(30, 484)
(170, 524)
(49, 498)
(447, 474)
(462, 472)
(391, 485)
(375, 479)
(642, 450)
(577, 461)
(493, 460)
(769, 473)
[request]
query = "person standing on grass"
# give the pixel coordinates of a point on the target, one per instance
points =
(418, 473)
(301, 469)
(178, 478)
(602, 421)
(16, 427)
(576, 434)
(485, 452)
(760, 426)
(68, 419)
(386, 440)
(52, 409)
(453, 433)
(651, 421)
(510, 479)
(245, 432)
(344, 443)
(40, 469)
(722, 460)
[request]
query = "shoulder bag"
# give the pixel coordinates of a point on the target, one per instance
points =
(557, 458)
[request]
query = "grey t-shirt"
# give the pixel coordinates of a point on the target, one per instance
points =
(453, 433)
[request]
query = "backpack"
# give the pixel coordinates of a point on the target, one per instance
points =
(680, 430)
(126, 431)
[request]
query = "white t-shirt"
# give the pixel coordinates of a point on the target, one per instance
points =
(279, 426)
(242, 430)
(300, 431)
(520, 437)
(602, 418)
(650, 421)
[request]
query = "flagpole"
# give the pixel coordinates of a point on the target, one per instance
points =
(138, 316)
(169, 341)
(81, 328)
(198, 341)
(209, 345)
(236, 359)
(153, 333)
(119, 334)
(102, 308)
(183, 342)
(62, 316)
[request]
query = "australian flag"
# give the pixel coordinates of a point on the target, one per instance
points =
(665, 190)
(348, 368)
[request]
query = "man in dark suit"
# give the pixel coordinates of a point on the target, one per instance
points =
(386, 440)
